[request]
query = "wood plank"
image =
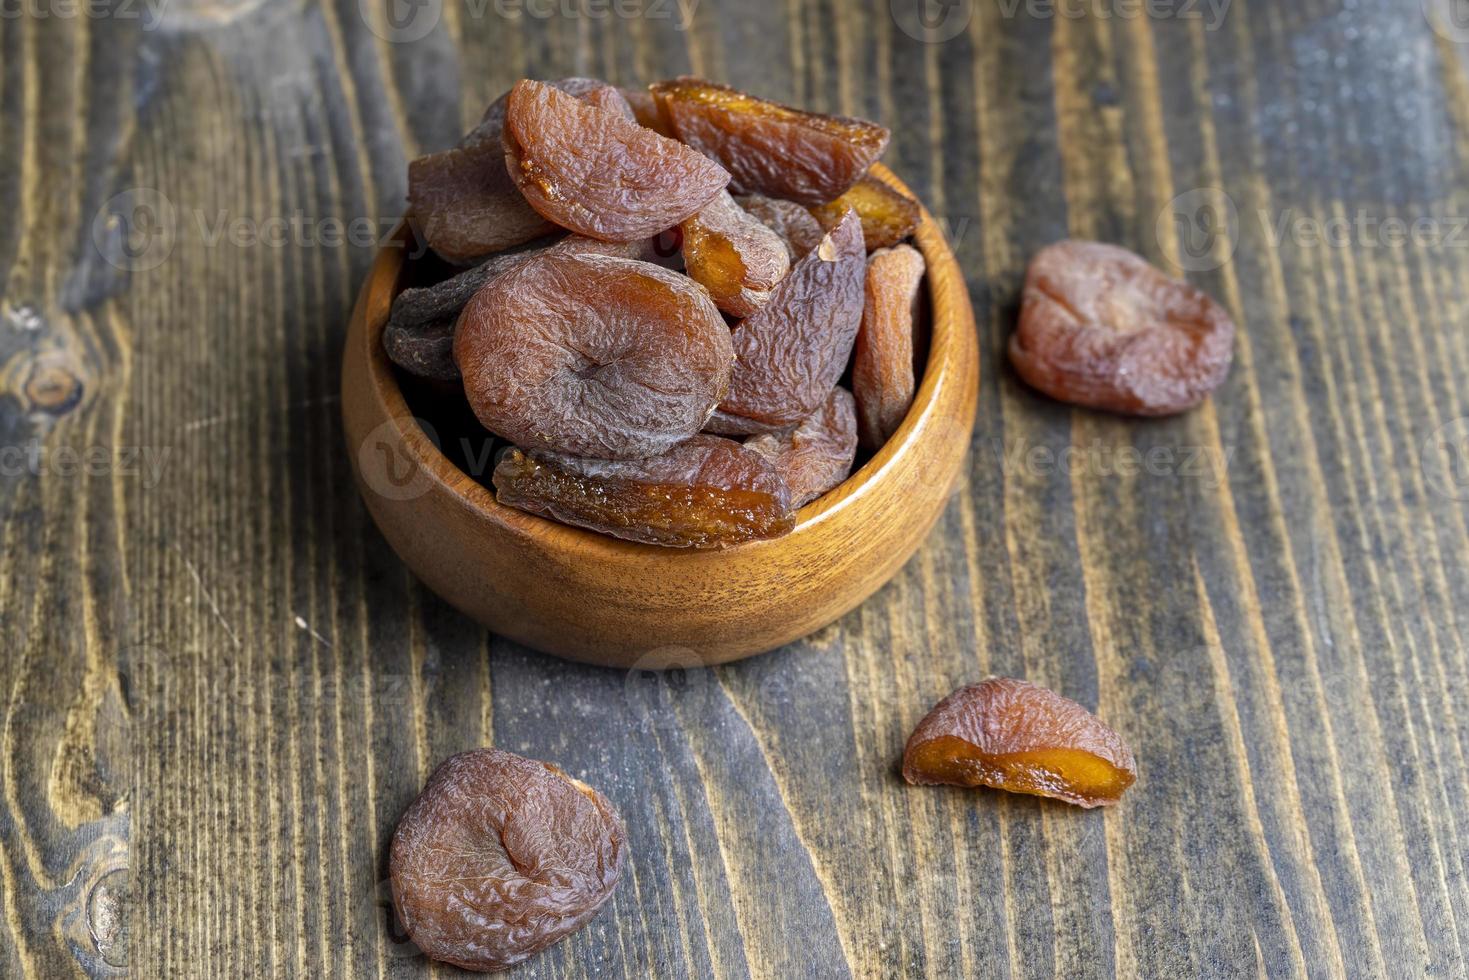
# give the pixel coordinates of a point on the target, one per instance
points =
(219, 688)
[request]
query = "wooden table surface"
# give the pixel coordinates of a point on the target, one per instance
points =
(219, 688)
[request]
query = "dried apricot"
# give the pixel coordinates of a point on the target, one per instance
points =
(597, 173)
(790, 353)
(501, 856)
(593, 355)
(1018, 737)
(419, 336)
(817, 455)
(464, 204)
(770, 148)
(796, 226)
(609, 98)
(734, 256)
(888, 215)
(707, 492)
(1100, 327)
(882, 366)
(463, 201)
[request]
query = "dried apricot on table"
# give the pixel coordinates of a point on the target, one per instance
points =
(817, 455)
(1102, 328)
(770, 148)
(463, 200)
(731, 254)
(1016, 736)
(882, 366)
(501, 856)
(593, 355)
(888, 215)
(597, 173)
(789, 354)
(796, 226)
(706, 492)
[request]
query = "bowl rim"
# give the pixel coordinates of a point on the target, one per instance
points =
(949, 313)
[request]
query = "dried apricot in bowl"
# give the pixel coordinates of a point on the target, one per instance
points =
(1016, 736)
(707, 492)
(770, 148)
(790, 353)
(499, 857)
(888, 216)
(598, 173)
(464, 202)
(593, 355)
(732, 253)
(1101, 328)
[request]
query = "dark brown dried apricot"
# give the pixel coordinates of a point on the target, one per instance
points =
(501, 856)
(593, 355)
(888, 215)
(817, 455)
(707, 492)
(731, 254)
(463, 201)
(790, 353)
(419, 336)
(464, 204)
(796, 226)
(770, 148)
(882, 365)
(1015, 736)
(1100, 327)
(597, 173)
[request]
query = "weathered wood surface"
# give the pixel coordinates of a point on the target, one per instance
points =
(219, 689)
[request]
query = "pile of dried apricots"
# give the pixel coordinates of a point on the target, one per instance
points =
(663, 291)
(665, 357)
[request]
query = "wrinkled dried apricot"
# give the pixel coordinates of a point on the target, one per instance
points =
(882, 365)
(419, 336)
(1100, 327)
(501, 856)
(609, 98)
(731, 254)
(817, 455)
(888, 215)
(795, 225)
(593, 355)
(770, 148)
(790, 353)
(707, 492)
(597, 173)
(426, 351)
(463, 201)
(1015, 736)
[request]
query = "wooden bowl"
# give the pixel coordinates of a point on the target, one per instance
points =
(588, 597)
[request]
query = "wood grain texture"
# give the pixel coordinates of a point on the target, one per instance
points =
(219, 688)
